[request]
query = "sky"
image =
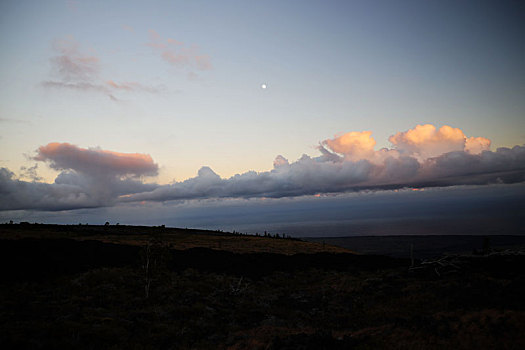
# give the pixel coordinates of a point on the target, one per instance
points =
(110, 105)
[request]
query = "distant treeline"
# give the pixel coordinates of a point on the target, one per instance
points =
(87, 229)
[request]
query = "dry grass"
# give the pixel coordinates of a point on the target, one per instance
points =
(180, 239)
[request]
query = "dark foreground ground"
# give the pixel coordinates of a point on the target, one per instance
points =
(63, 293)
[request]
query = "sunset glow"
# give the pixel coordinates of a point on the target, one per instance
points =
(185, 102)
(262, 174)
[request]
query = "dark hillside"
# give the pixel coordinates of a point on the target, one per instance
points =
(29, 259)
(82, 292)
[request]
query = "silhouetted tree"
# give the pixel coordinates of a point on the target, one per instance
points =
(155, 256)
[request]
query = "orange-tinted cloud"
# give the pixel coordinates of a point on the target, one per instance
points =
(426, 141)
(476, 145)
(353, 145)
(94, 177)
(64, 156)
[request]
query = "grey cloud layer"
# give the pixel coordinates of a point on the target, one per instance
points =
(309, 176)
(70, 191)
(89, 178)
(96, 178)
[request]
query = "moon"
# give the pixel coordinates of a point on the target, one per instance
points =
(263, 86)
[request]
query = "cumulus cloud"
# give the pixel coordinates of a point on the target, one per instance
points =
(89, 178)
(353, 145)
(421, 157)
(280, 161)
(177, 54)
(476, 145)
(426, 141)
(18, 194)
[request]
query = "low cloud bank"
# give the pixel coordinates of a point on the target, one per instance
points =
(89, 178)
(420, 157)
(309, 176)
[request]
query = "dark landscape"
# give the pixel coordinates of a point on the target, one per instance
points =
(423, 247)
(262, 175)
(100, 287)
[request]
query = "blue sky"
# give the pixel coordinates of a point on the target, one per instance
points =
(180, 81)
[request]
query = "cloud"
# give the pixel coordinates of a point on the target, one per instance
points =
(80, 86)
(128, 28)
(17, 194)
(131, 86)
(353, 145)
(71, 64)
(420, 157)
(93, 177)
(72, 5)
(425, 141)
(30, 173)
(476, 145)
(177, 54)
(63, 156)
(89, 178)
(308, 176)
(76, 70)
(280, 161)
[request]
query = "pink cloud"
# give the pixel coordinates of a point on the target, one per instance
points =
(176, 59)
(203, 62)
(175, 53)
(65, 156)
(72, 5)
(92, 177)
(128, 28)
(71, 64)
(78, 71)
(131, 86)
(173, 41)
